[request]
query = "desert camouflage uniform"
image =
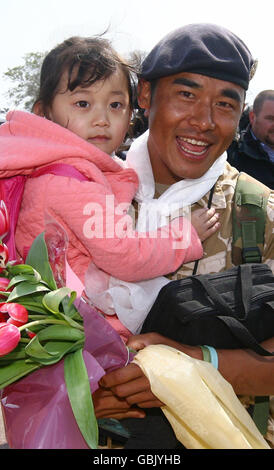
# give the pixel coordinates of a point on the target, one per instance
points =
(218, 248)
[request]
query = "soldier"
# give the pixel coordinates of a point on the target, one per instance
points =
(192, 87)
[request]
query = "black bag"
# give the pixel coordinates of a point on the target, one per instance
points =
(230, 309)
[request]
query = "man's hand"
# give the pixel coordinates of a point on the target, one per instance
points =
(108, 405)
(125, 392)
(130, 383)
(141, 341)
(138, 342)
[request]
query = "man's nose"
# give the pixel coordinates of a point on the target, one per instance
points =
(202, 117)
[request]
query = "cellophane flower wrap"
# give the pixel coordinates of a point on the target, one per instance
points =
(54, 348)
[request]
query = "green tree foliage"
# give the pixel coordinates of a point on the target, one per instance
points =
(25, 80)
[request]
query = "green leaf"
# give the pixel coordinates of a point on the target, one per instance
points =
(70, 321)
(24, 288)
(33, 303)
(15, 371)
(78, 387)
(38, 259)
(52, 351)
(53, 299)
(32, 279)
(36, 351)
(17, 353)
(69, 308)
(63, 347)
(18, 269)
(60, 332)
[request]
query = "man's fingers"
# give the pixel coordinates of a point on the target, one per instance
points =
(106, 400)
(150, 404)
(120, 376)
(116, 414)
(141, 399)
(140, 384)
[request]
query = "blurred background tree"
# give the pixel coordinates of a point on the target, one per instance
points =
(25, 80)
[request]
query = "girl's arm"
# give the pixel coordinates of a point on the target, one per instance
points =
(104, 231)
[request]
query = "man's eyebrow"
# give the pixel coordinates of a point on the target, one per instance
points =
(187, 82)
(231, 93)
(227, 92)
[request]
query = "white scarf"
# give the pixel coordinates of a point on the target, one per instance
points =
(181, 194)
(132, 301)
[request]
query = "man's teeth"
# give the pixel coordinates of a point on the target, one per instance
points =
(194, 142)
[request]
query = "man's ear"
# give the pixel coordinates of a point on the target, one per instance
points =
(144, 95)
(38, 109)
(251, 117)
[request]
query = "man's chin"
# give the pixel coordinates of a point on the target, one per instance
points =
(270, 143)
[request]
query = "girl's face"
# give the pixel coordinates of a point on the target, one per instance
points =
(99, 114)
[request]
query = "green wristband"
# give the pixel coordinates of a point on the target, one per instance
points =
(210, 355)
(206, 354)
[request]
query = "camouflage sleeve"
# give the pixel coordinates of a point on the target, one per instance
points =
(268, 253)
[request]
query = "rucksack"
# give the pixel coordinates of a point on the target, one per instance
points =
(12, 189)
(202, 298)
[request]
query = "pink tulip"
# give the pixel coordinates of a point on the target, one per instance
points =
(4, 282)
(3, 318)
(4, 220)
(17, 314)
(4, 256)
(9, 338)
(30, 334)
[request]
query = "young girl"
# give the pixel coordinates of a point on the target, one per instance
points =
(81, 117)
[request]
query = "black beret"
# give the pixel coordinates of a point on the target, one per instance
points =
(206, 49)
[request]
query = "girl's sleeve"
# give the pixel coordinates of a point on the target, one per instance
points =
(104, 230)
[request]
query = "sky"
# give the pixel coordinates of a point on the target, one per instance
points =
(39, 25)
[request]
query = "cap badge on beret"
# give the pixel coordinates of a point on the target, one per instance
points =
(253, 69)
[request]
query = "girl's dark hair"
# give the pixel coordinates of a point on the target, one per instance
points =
(86, 60)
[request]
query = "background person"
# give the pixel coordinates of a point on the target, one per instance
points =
(254, 152)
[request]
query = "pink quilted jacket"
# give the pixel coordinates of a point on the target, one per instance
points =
(28, 142)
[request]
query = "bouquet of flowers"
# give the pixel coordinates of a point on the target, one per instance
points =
(40, 326)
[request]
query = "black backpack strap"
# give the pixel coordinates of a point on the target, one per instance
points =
(243, 335)
(245, 282)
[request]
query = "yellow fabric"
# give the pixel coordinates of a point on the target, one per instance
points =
(200, 404)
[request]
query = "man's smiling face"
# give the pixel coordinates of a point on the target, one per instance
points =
(192, 121)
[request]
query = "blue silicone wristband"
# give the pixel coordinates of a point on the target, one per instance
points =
(213, 356)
